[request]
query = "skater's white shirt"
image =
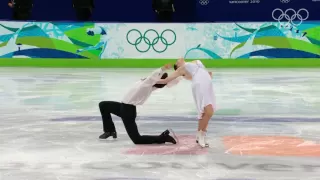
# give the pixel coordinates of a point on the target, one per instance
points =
(142, 90)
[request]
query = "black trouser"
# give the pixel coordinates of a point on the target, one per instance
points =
(21, 14)
(83, 14)
(165, 16)
(128, 115)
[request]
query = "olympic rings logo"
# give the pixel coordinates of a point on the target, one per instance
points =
(204, 2)
(157, 39)
(291, 15)
(284, 1)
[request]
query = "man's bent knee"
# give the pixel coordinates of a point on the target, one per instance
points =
(102, 104)
(136, 140)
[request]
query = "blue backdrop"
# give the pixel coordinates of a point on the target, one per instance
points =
(187, 10)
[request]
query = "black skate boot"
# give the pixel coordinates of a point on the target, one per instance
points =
(167, 138)
(108, 134)
(165, 133)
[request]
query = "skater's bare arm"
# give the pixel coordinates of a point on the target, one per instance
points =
(187, 77)
(174, 82)
(171, 77)
(156, 75)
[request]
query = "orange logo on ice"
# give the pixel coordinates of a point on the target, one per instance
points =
(270, 146)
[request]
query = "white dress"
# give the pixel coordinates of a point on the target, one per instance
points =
(202, 88)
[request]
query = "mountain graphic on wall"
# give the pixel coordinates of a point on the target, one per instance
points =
(48, 40)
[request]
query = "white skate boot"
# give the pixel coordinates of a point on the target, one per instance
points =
(200, 139)
(204, 134)
(206, 139)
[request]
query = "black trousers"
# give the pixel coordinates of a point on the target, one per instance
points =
(83, 14)
(21, 14)
(165, 16)
(128, 115)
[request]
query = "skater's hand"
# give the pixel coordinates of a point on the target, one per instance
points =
(210, 73)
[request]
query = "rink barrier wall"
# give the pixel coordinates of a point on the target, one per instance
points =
(215, 41)
(155, 63)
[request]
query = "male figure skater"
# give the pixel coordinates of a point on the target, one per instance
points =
(126, 110)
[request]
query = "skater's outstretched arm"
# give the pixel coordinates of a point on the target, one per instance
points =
(156, 75)
(171, 77)
(174, 82)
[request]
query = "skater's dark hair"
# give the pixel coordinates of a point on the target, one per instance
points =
(175, 67)
(165, 75)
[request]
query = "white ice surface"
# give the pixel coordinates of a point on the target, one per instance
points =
(38, 143)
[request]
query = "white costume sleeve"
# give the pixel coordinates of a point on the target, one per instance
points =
(154, 77)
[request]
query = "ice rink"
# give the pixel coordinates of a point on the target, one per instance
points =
(266, 127)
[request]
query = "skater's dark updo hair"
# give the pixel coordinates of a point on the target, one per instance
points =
(175, 67)
(164, 76)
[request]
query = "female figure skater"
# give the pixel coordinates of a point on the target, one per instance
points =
(202, 91)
